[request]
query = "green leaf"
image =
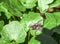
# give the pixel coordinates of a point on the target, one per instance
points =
(32, 18)
(56, 3)
(57, 17)
(3, 8)
(43, 5)
(15, 7)
(2, 41)
(16, 4)
(35, 32)
(46, 39)
(12, 7)
(50, 21)
(16, 12)
(34, 41)
(14, 31)
(28, 3)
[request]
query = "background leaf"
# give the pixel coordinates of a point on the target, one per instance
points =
(29, 3)
(35, 32)
(57, 17)
(55, 3)
(46, 39)
(3, 8)
(14, 31)
(43, 5)
(50, 21)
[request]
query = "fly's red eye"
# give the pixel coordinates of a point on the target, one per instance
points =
(43, 15)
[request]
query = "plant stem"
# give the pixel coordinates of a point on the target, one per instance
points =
(28, 35)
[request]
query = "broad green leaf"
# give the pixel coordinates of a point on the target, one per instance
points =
(15, 12)
(35, 32)
(28, 3)
(55, 3)
(16, 5)
(2, 41)
(45, 39)
(57, 17)
(34, 41)
(50, 21)
(43, 5)
(30, 19)
(13, 8)
(3, 8)
(14, 31)
(48, 1)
